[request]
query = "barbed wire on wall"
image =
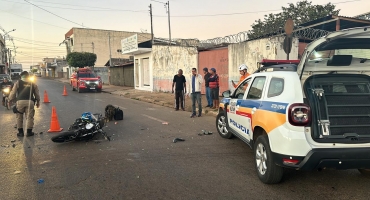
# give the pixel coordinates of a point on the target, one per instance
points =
(298, 32)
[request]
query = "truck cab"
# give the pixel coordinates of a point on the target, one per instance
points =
(84, 79)
(15, 71)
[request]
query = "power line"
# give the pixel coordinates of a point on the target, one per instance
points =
(105, 9)
(55, 14)
(24, 39)
(32, 19)
(34, 43)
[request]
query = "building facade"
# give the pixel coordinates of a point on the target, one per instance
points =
(105, 44)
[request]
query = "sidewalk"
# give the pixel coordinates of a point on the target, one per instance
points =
(159, 98)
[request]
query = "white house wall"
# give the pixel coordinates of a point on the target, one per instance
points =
(167, 60)
(254, 51)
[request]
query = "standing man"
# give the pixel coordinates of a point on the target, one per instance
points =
(26, 94)
(208, 90)
(195, 87)
(243, 70)
(180, 81)
(214, 84)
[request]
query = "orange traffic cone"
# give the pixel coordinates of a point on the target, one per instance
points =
(46, 98)
(54, 124)
(65, 91)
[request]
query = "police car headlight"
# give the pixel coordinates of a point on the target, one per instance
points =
(32, 78)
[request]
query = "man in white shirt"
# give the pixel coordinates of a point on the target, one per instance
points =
(195, 85)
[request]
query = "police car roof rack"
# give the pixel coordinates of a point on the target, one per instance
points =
(281, 67)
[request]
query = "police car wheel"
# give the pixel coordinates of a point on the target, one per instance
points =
(221, 126)
(268, 172)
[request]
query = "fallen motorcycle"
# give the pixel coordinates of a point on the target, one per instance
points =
(84, 128)
(6, 91)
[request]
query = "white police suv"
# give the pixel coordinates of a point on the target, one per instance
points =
(306, 116)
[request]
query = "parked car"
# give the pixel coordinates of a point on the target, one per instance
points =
(308, 116)
(84, 79)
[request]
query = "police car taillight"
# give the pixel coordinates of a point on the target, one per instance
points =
(299, 114)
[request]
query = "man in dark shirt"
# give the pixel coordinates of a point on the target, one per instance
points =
(208, 90)
(180, 81)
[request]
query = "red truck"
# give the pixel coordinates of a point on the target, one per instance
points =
(84, 79)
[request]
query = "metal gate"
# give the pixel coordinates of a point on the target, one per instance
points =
(218, 59)
(128, 76)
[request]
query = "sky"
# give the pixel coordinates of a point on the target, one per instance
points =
(41, 24)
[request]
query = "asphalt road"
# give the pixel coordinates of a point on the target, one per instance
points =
(142, 162)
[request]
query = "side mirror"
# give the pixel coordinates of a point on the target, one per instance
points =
(226, 94)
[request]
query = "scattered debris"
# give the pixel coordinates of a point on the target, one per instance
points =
(41, 133)
(13, 145)
(46, 161)
(17, 172)
(40, 181)
(6, 146)
(177, 139)
(115, 122)
(165, 123)
(12, 141)
(205, 133)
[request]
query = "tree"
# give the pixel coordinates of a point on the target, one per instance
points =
(81, 59)
(301, 13)
(34, 70)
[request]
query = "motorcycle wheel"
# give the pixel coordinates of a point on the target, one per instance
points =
(64, 137)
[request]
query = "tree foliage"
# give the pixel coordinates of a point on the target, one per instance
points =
(81, 59)
(301, 12)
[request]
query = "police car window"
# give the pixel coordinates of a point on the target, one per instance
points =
(255, 92)
(239, 93)
(276, 87)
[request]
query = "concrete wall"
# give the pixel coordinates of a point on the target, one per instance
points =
(83, 38)
(167, 60)
(254, 51)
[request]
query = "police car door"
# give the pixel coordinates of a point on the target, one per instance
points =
(253, 102)
(237, 112)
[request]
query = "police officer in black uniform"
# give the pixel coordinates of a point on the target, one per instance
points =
(26, 94)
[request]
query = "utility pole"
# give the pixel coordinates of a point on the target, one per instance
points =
(110, 52)
(167, 6)
(82, 50)
(169, 24)
(10, 54)
(151, 22)
(92, 43)
(110, 59)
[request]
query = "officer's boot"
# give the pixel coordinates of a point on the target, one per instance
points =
(29, 132)
(20, 132)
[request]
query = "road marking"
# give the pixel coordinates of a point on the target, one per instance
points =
(153, 118)
(98, 100)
